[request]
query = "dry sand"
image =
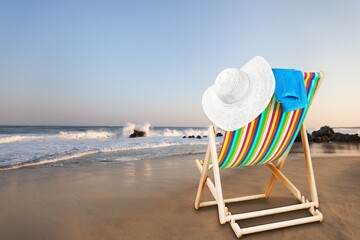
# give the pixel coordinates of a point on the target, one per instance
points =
(153, 199)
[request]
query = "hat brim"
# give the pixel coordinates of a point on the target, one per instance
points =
(230, 117)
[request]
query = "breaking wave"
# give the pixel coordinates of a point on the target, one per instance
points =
(17, 138)
(164, 132)
(87, 135)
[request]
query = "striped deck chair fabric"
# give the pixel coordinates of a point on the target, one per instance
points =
(268, 136)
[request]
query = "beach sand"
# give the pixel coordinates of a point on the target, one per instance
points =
(153, 199)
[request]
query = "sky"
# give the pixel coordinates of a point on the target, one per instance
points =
(112, 62)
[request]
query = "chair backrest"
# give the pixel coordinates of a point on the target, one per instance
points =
(268, 136)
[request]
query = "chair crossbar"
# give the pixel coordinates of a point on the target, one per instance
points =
(270, 226)
(271, 211)
(233, 200)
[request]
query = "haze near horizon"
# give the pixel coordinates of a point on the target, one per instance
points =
(108, 63)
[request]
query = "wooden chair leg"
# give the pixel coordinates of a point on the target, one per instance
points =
(203, 177)
(309, 166)
(216, 170)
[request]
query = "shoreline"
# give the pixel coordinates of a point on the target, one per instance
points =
(331, 149)
(153, 199)
(28, 146)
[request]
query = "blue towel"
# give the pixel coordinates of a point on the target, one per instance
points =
(290, 89)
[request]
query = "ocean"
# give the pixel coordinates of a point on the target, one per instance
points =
(22, 146)
(36, 145)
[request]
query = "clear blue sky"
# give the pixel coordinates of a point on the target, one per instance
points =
(111, 62)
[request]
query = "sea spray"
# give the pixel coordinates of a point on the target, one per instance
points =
(130, 127)
(87, 135)
(164, 132)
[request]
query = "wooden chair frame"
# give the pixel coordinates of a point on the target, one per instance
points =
(224, 213)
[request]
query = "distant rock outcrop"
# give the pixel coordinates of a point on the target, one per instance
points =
(137, 133)
(324, 134)
(298, 138)
(219, 134)
(339, 137)
(327, 134)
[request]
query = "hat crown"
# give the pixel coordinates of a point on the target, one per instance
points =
(232, 85)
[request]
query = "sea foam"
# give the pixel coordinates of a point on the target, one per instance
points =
(87, 135)
(17, 138)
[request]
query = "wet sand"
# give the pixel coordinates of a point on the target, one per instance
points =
(153, 199)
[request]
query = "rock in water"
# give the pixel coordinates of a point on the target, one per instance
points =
(137, 133)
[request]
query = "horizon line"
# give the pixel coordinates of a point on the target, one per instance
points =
(102, 125)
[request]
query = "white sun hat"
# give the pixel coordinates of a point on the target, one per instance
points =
(239, 95)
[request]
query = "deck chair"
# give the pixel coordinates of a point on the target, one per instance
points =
(266, 139)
